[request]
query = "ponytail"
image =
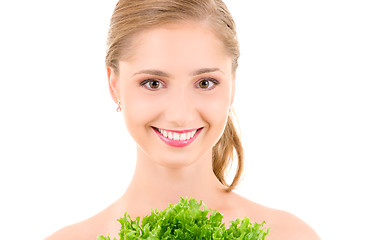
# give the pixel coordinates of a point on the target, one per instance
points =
(223, 155)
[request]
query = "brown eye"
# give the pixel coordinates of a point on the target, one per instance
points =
(207, 83)
(154, 84)
(204, 84)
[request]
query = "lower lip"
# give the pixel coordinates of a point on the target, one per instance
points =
(177, 143)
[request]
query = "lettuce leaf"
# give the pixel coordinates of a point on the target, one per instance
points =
(187, 220)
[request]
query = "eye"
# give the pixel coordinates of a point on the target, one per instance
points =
(152, 84)
(207, 83)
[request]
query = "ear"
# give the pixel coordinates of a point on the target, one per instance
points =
(113, 81)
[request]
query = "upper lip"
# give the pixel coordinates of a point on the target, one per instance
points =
(178, 131)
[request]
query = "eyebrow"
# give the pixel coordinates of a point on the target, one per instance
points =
(152, 72)
(206, 70)
(164, 74)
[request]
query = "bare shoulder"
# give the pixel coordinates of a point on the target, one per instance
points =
(288, 226)
(282, 224)
(103, 223)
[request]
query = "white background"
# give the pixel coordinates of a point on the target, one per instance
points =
(303, 102)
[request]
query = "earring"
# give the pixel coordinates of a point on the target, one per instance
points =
(119, 106)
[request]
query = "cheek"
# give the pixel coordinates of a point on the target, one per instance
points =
(215, 108)
(215, 113)
(138, 108)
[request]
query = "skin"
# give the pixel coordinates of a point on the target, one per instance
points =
(164, 173)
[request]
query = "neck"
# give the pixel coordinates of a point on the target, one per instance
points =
(156, 186)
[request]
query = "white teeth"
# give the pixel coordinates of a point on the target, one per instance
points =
(193, 133)
(183, 137)
(177, 136)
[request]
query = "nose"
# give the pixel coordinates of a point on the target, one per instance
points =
(180, 110)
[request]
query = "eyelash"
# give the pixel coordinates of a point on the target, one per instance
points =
(147, 81)
(211, 80)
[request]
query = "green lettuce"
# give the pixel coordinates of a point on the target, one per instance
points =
(186, 220)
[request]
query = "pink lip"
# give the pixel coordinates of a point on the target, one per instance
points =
(182, 131)
(178, 143)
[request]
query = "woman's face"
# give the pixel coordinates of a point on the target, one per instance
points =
(176, 91)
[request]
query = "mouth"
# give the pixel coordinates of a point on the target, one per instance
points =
(177, 138)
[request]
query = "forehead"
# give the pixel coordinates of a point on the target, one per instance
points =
(186, 45)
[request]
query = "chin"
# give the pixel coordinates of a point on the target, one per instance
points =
(175, 161)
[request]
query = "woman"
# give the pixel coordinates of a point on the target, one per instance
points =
(171, 70)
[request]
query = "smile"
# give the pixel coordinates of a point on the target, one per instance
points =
(177, 138)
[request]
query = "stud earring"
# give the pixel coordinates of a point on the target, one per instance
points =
(119, 106)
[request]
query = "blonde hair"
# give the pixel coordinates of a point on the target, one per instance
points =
(130, 17)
